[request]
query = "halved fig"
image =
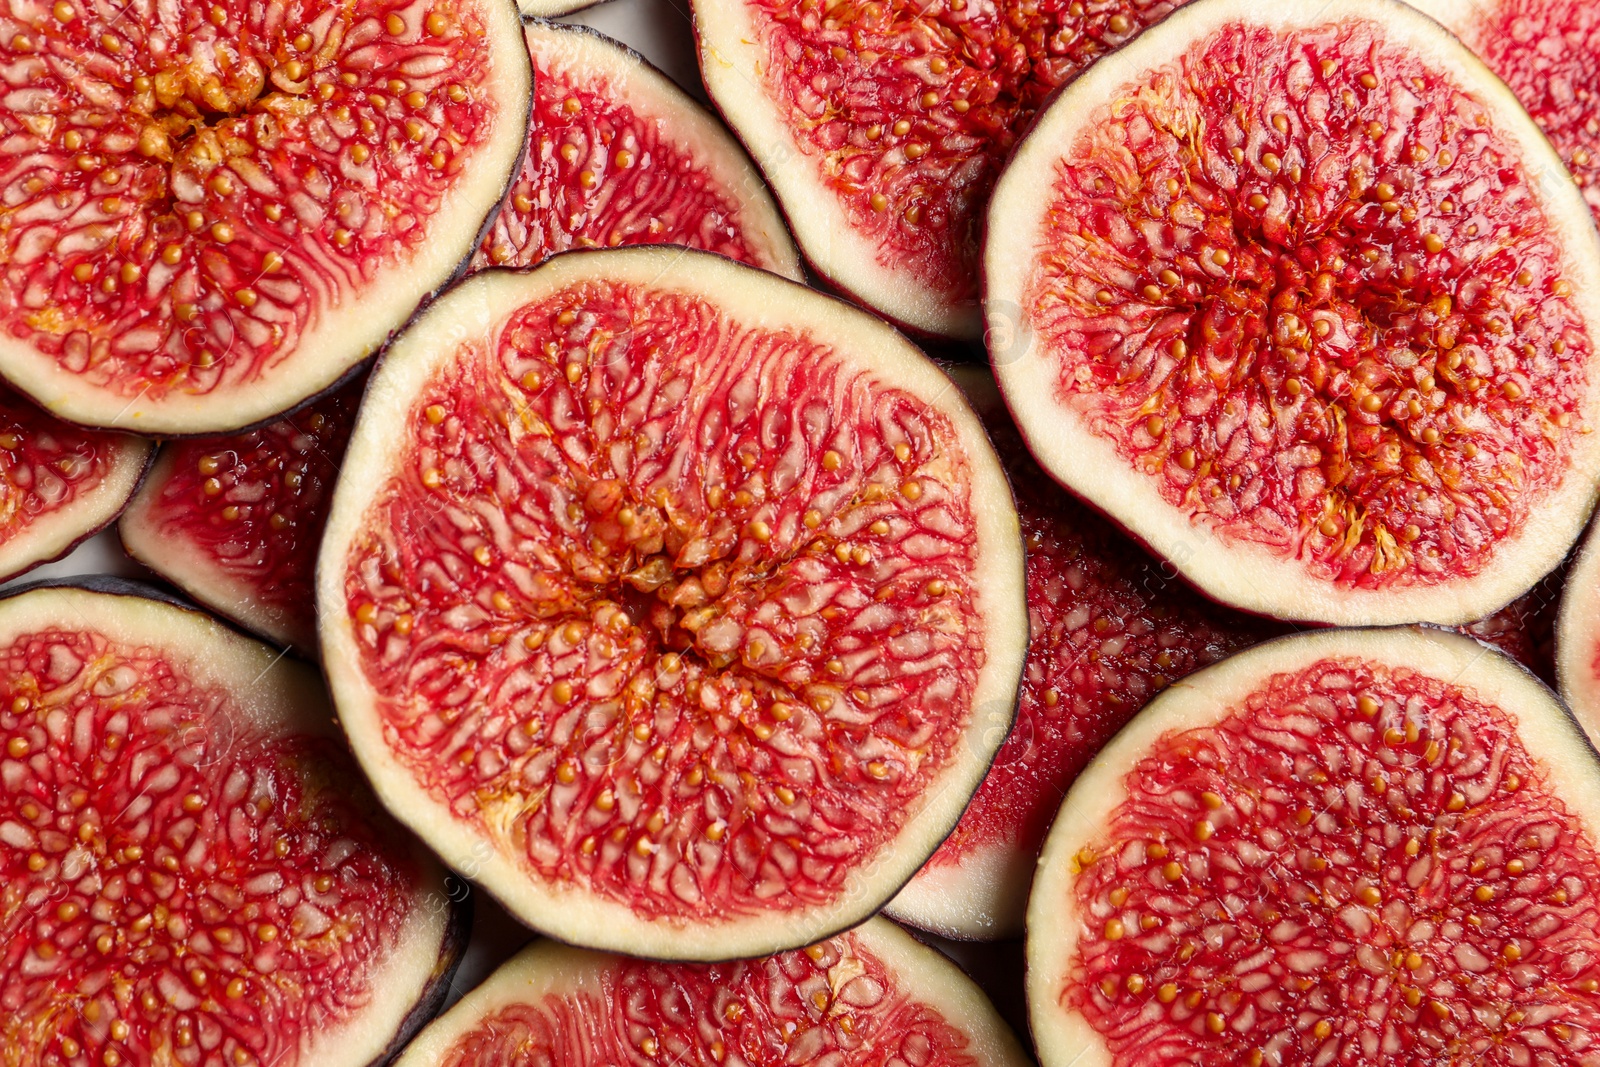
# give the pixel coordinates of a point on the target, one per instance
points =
(619, 155)
(1109, 629)
(1301, 296)
(1544, 49)
(58, 483)
(194, 872)
(1369, 847)
(235, 522)
(214, 211)
(682, 604)
(881, 126)
(1578, 637)
(552, 8)
(866, 997)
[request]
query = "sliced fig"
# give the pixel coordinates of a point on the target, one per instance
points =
(866, 997)
(552, 8)
(194, 872)
(681, 605)
(1544, 49)
(1109, 629)
(235, 521)
(1300, 295)
(58, 483)
(1578, 637)
(881, 125)
(1525, 629)
(619, 155)
(1369, 847)
(215, 211)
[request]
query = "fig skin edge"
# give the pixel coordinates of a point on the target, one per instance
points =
(1213, 694)
(1128, 501)
(547, 970)
(393, 784)
(457, 923)
(171, 428)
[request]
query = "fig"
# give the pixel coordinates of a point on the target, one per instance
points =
(866, 997)
(235, 521)
(1302, 298)
(215, 211)
(677, 604)
(1544, 49)
(1368, 847)
(58, 484)
(194, 872)
(1577, 642)
(1109, 628)
(881, 125)
(619, 155)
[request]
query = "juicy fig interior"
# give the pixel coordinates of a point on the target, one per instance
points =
(871, 995)
(58, 483)
(1316, 291)
(619, 155)
(1544, 49)
(236, 521)
(185, 882)
(679, 604)
(902, 113)
(1366, 846)
(196, 193)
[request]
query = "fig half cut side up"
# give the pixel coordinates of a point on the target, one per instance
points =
(619, 155)
(59, 484)
(1363, 846)
(881, 126)
(680, 602)
(868, 996)
(1302, 297)
(199, 874)
(217, 211)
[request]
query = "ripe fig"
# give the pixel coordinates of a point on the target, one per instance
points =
(869, 996)
(881, 125)
(1544, 49)
(1109, 628)
(619, 155)
(1578, 637)
(679, 605)
(1301, 296)
(1359, 846)
(214, 211)
(59, 484)
(235, 521)
(194, 873)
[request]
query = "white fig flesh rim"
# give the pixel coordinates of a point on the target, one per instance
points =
(276, 697)
(1460, 17)
(981, 898)
(1235, 572)
(753, 298)
(341, 335)
(549, 970)
(549, 9)
(1214, 694)
(1578, 637)
(56, 531)
(627, 78)
(190, 567)
(732, 64)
